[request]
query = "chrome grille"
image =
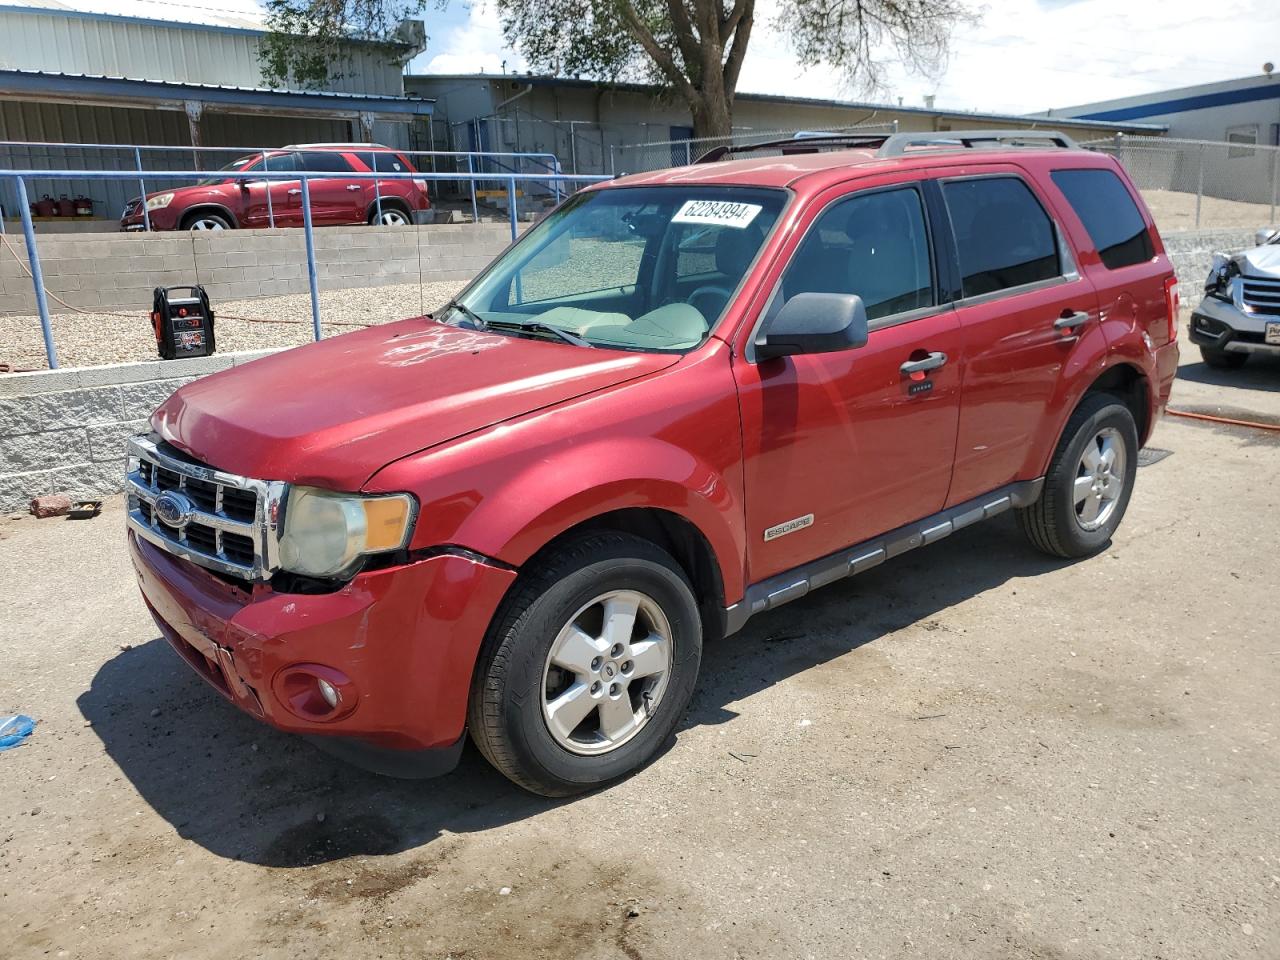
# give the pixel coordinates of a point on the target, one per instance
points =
(1260, 295)
(232, 522)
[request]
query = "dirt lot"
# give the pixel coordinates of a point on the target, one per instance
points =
(971, 751)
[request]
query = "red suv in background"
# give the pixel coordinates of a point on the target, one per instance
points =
(224, 204)
(681, 399)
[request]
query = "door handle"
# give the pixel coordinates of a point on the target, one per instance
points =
(295, 191)
(932, 362)
(353, 186)
(1070, 320)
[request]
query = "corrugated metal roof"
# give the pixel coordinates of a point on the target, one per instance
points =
(192, 90)
(652, 89)
(228, 14)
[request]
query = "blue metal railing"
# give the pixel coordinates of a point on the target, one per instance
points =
(37, 276)
(501, 162)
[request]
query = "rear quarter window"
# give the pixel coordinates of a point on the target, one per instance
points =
(1109, 214)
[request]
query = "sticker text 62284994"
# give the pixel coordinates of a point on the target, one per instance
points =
(718, 213)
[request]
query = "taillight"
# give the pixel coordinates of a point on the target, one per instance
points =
(1172, 301)
(421, 185)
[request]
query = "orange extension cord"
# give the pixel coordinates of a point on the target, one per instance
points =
(1227, 420)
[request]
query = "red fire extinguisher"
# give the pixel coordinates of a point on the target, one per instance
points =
(45, 207)
(65, 208)
(84, 206)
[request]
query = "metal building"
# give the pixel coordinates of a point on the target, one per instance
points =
(84, 72)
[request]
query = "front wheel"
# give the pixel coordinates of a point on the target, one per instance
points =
(588, 666)
(1089, 482)
(1222, 359)
(207, 221)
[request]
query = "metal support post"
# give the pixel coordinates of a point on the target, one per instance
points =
(311, 258)
(37, 275)
(146, 214)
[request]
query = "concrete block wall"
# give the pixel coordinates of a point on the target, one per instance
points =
(1191, 252)
(113, 271)
(63, 431)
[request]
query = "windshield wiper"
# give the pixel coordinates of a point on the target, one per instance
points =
(537, 326)
(477, 321)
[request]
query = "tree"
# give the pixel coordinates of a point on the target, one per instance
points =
(695, 48)
(308, 42)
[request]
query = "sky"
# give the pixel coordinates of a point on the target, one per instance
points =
(1023, 56)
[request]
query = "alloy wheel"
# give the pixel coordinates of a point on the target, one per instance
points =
(1099, 478)
(606, 671)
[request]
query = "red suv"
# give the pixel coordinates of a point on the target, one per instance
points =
(681, 399)
(224, 203)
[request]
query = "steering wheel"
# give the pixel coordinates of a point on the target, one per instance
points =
(710, 289)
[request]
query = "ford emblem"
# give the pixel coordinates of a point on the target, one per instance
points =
(174, 509)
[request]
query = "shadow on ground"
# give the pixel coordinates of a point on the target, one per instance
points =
(246, 792)
(1259, 373)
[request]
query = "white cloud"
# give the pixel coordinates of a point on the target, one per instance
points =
(1024, 56)
(1027, 56)
(477, 46)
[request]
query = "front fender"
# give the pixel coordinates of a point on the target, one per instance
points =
(671, 442)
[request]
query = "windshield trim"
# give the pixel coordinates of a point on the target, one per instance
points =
(582, 196)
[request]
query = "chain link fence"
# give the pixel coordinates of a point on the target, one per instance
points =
(1201, 184)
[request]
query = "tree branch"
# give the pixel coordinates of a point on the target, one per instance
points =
(657, 53)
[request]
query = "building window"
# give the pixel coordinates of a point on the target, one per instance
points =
(1243, 135)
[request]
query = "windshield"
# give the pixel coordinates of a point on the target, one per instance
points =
(641, 268)
(244, 163)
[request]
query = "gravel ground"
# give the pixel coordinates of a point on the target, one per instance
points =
(970, 752)
(90, 339)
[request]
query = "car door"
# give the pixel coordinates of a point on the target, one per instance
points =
(1027, 314)
(285, 208)
(840, 447)
(335, 197)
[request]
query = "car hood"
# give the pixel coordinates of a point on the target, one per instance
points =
(1260, 261)
(333, 413)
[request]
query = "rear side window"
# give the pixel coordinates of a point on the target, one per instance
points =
(874, 245)
(1108, 212)
(1003, 236)
(382, 162)
(325, 162)
(282, 163)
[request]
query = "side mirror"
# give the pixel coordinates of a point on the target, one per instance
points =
(814, 323)
(1265, 236)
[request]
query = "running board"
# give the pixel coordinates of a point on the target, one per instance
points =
(796, 583)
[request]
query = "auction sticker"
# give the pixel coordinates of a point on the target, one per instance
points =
(720, 213)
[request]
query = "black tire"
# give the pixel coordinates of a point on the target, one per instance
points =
(201, 216)
(505, 713)
(1222, 359)
(1052, 523)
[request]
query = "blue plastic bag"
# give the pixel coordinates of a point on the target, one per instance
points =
(14, 730)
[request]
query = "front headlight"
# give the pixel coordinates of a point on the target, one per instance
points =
(159, 201)
(326, 533)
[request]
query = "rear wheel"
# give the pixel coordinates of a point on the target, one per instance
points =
(1223, 359)
(588, 667)
(391, 217)
(206, 221)
(1089, 482)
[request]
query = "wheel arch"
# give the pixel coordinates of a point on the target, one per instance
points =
(1122, 379)
(387, 201)
(207, 207)
(675, 534)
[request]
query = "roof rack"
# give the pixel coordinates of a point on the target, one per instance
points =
(900, 143)
(895, 144)
(802, 142)
(306, 146)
